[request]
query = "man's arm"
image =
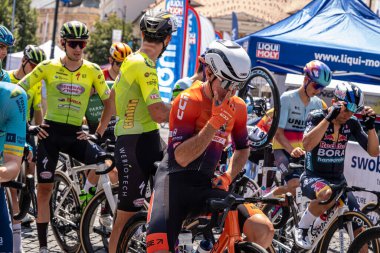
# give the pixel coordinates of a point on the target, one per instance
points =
(159, 112)
(192, 148)
(237, 161)
(281, 138)
(108, 111)
(11, 167)
(312, 138)
(373, 143)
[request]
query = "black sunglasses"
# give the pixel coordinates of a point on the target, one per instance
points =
(74, 43)
(117, 63)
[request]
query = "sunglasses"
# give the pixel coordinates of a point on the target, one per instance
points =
(117, 63)
(317, 86)
(74, 43)
(230, 85)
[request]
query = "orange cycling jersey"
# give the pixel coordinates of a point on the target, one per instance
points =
(190, 112)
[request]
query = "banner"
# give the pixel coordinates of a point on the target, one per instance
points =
(235, 27)
(169, 65)
(194, 41)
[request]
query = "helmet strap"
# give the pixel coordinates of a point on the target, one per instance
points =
(163, 49)
(23, 66)
(210, 82)
(305, 87)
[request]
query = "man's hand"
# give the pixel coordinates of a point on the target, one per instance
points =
(369, 117)
(221, 112)
(297, 152)
(39, 131)
(222, 181)
(334, 111)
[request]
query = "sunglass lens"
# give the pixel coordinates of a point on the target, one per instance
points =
(74, 44)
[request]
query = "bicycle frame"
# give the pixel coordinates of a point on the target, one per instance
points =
(231, 234)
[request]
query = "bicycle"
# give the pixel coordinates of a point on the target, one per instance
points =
(66, 208)
(222, 224)
(338, 220)
(368, 239)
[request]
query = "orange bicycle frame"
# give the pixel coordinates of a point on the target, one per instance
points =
(230, 235)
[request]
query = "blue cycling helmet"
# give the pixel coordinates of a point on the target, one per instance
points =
(351, 95)
(6, 37)
(318, 72)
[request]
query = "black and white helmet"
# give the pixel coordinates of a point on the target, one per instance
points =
(229, 62)
(351, 95)
(158, 24)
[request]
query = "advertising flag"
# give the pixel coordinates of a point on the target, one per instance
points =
(194, 40)
(235, 27)
(170, 64)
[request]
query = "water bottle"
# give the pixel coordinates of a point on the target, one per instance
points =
(185, 242)
(205, 246)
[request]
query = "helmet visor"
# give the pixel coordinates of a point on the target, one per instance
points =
(352, 107)
(230, 85)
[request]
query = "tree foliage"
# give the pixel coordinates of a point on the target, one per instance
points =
(101, 38)
(25, 23)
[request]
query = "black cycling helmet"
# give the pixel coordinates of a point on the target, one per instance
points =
(74, 30)
(34, 54)
(158, 24)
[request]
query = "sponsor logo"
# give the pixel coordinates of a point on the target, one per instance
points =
(363, 163)
(342, 138)
(182, 105)
(10, 138)
(130, 114)
(268, 50)
(175, 7)
(46, 174)
(154, 96)
(78, 75)
(138, 202)
(146, 74)
(70, 100)
(297, 123)
(84, 76)
(219, 139)
(69, 106)
(329, 137)
(16, 92)
(318, 186)
(331, 152)
(70, 89)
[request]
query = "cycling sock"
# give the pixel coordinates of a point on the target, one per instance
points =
(87, 186)
(42, 233)
(307, 219)
(17, 248)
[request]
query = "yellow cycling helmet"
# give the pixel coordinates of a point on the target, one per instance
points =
(119, 51)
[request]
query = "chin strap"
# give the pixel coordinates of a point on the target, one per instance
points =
(163, 49)
(212, 92)
(305, 87)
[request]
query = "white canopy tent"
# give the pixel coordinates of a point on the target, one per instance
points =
(14, 60)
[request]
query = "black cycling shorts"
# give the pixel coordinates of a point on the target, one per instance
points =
(62, 138)
(178, 196)
(282, 162)
(135, 155)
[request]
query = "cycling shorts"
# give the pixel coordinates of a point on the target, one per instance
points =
(178, 196)
(312, 184)
(62, 138)
(6, 236)
(135, 155)
(282, 162)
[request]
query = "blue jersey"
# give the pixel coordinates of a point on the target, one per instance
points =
(293, 117)
(13, 103)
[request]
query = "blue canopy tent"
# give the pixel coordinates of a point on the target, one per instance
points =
(345, 34)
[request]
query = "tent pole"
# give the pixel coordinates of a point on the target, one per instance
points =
(54, 29)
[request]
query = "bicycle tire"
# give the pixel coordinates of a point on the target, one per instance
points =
(66, 234)
(280, 220)
(87, 233)
(129, 230)
(372, 236)
(348, 217)
(249, 247)
(267, 76)
(373, 215)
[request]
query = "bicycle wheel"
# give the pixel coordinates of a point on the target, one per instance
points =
(370, 237)
(132, 237)
(95, 229)
(245, 247)
(261, 83)
(332, 242)
(373, 215)
(65, 213)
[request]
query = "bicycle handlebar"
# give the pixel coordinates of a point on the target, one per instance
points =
(102, 159)
(13, 184)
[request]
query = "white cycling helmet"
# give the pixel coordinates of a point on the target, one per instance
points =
(229, 62)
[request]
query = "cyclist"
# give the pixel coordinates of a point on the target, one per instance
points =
(12, 140)
(33, 55)
(139, 108)
(68, 82)
(6, 40)
(201, 120)
(295, 106)
(326, 135)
